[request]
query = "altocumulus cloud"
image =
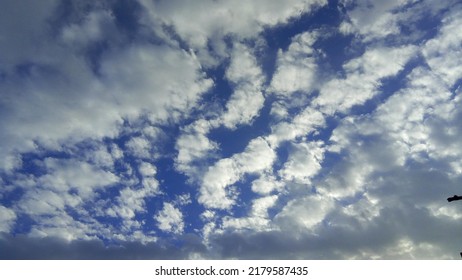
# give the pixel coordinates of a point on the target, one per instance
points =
(293, 129)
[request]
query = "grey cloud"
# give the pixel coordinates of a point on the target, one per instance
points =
(27, 248)
(405, 232)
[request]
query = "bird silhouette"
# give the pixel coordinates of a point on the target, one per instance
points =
(455, 197)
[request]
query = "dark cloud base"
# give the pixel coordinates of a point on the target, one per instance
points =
(49, 248)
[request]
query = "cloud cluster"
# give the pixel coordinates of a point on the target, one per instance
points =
(170, 219)
(224, 129)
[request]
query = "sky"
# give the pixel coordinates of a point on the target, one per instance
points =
(219, 129)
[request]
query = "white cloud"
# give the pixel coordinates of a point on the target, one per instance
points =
(443, 52)
(349, 178)
(257, 220)
(7, 219)
(365, 210)
(247, 98)
(397, 163)
(84, 90)
(170, 219)
(256, 158)
(66, 175)
(214, 192)
(417, 123)
(63, 226)
(306, 122)
(133, 82)
(373, 19)
(208, 215)
(304, 162)
(266, 184)
(261, 205)
(147, 169)
(68, 187)
(183, 199)
(363, 78)
(132, 200)
(71, 185)
(296, 68)
(243, 106)
(146, 72)
(193, 146)
(116, 152)
(243, 69)
(43, 202)
(252, 223)
(408, 115)
(303, 214)
(205, 20)
(382, 20)
(101, 157)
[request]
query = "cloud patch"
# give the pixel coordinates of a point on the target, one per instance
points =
(300, 129)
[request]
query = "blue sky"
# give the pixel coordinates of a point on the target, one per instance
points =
(298, 129)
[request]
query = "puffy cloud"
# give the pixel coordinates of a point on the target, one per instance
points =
(296, 67)
(304, 162)
(68, 175)
(183, 199)
(395, 169)
(68, 185)
(147, 170)
(258, 216)
(131, 200)
(214, 192)
(304, 213)
(266, 184)
(443, 52)
(243, 106)
(42, 202)
(247, 98)
(363, 78)
(170, 219)
(373, 20)
(102, 156)
(193, 145)
(7, 219)
(139, 147)
(143, 71)
(389, 20)
(243, 69)
(76, 104)
(209, 22)
(63, 226)
(102, 107)
(256, 158)
(304, 123)
(410, 115)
